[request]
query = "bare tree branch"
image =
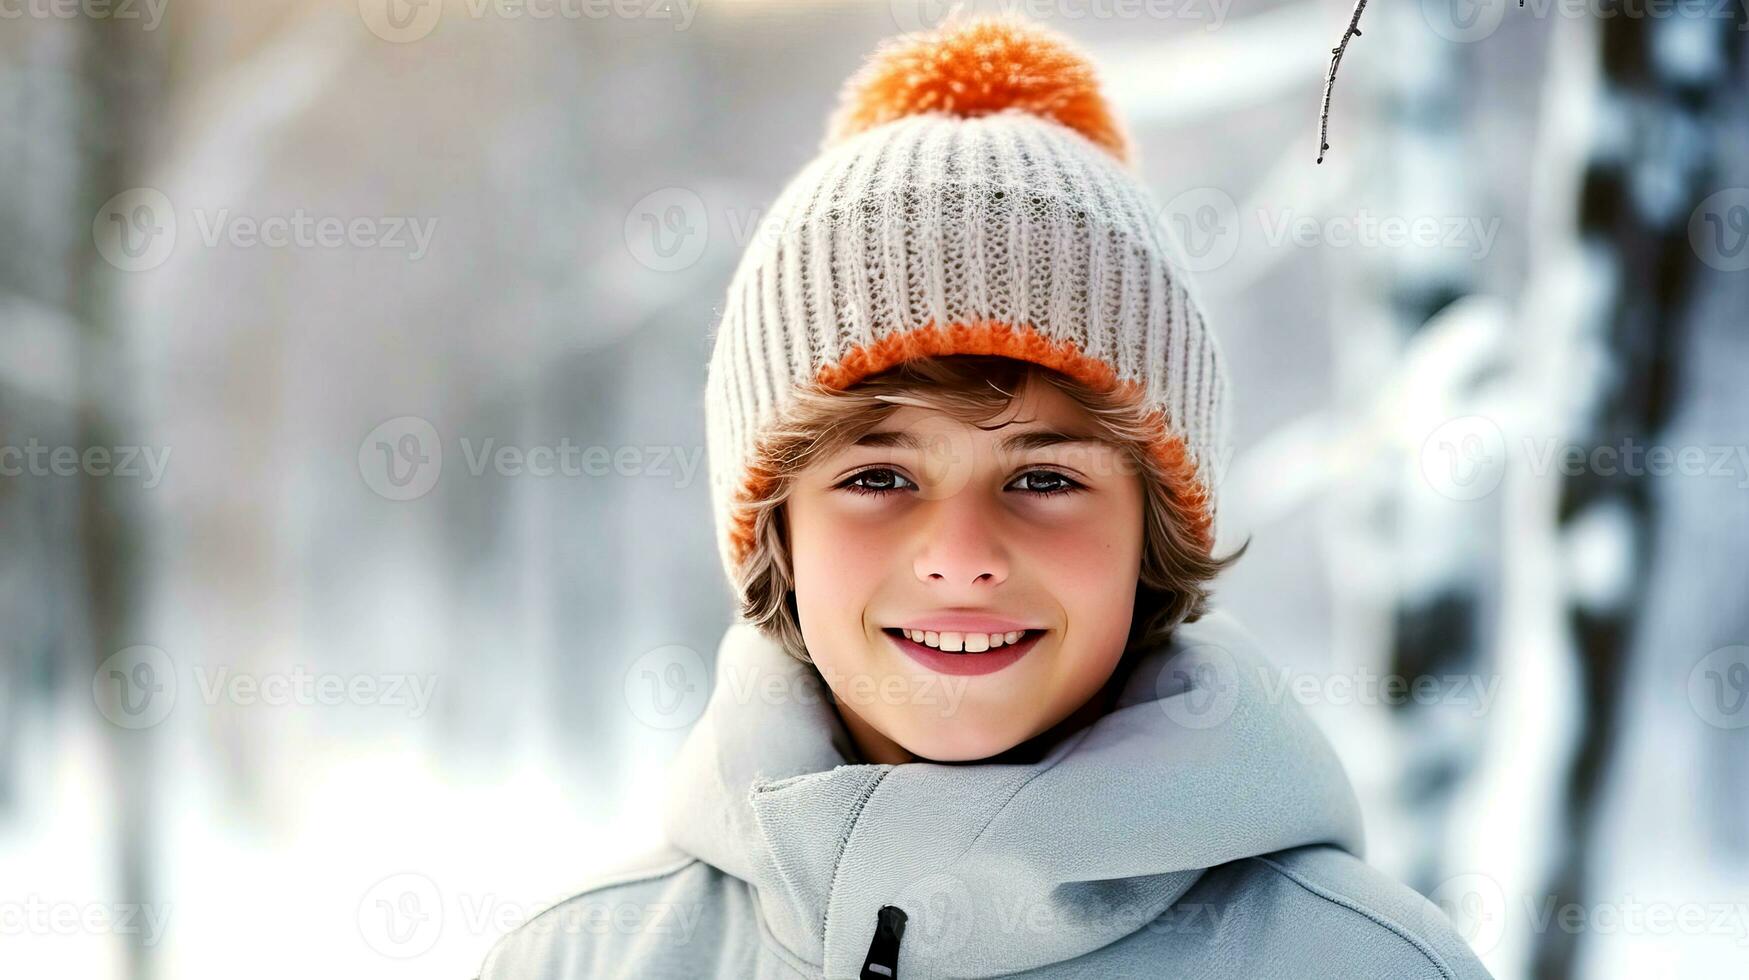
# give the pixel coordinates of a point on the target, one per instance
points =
(1330, 80)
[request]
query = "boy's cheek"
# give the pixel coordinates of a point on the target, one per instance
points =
(847, 559)
(1095, 583)
(836, 582)
(1084, 561)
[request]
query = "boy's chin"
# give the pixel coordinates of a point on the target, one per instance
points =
(956, 740)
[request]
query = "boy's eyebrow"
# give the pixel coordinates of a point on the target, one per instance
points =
(1017, 443)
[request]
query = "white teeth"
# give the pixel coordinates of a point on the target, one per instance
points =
(967, 642)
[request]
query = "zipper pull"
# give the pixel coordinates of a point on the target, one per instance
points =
(882, 962)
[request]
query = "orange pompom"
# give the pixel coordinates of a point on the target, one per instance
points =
(975, 67)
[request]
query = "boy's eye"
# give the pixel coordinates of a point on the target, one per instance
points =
(1053, 482)
(877, 481)
(881, 480)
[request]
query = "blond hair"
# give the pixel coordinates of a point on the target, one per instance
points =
(1172, 586)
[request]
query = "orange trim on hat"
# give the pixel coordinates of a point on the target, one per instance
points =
(1023, 343)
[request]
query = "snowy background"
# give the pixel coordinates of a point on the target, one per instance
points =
(299, 676)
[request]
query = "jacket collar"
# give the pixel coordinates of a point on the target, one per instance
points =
(1000, 868)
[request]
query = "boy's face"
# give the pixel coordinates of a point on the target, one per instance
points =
(963, 524)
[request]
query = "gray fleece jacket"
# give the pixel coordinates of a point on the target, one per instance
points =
(1200, 829)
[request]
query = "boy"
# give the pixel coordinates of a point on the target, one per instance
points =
(964, 421)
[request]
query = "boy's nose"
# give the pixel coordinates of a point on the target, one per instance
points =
(962, 547)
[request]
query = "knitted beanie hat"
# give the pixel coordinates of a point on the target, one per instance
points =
(973, 195)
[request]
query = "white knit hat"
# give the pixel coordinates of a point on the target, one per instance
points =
(973, 196)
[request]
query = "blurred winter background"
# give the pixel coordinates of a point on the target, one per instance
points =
(351, 445)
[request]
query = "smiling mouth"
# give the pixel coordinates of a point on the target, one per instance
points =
(966, 643)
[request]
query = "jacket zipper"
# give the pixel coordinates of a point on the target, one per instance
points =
(882, 962)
